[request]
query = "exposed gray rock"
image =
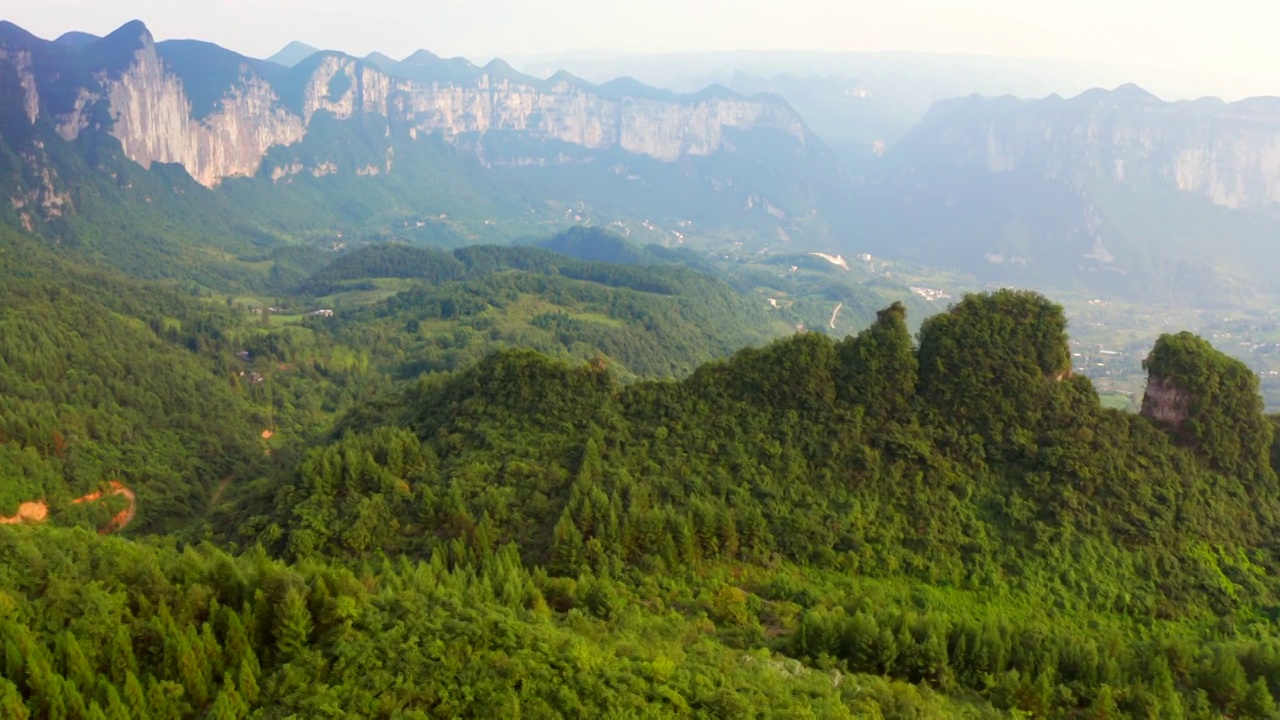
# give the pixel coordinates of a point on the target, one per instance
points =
(1166, 402)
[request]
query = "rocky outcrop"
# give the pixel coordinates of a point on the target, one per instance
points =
(1166, 402)
(151, 115)
(1229, 153)
(40, 198)
(152, 119)
(560, 110)
(20, 61)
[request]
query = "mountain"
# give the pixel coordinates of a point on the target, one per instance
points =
(106, 380)
(861, 102)
(454, 308)
(292, 54)
(1221, 151)
(339, 144)
(1109, 191)
(1015, 523)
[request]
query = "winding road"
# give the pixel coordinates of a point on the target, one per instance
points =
(38, 511)
(835, 313)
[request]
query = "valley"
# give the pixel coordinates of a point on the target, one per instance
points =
(790, 385)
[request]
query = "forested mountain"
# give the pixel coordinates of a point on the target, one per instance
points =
(651, 321)
(181, 159)
(809, 448)
(1078, 560)
(1113, 192)
(108, 379)
(105, 378)
(948, 527)
(285, 434)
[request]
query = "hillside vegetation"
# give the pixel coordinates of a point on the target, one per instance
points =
(653, 320)
(1058, 557)
(106, 379)
(949, 525)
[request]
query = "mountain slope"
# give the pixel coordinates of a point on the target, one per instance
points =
(454, 308)
(970, 467)
(293, 53)
(104, 379)
(336, 145)
(1113, 192)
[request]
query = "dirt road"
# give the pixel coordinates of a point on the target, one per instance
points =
(38, 511)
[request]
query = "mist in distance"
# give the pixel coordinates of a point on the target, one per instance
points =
(1176, 49)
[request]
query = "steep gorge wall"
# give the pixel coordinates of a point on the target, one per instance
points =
(666, 130)
(152, 119)
(20, 62)
(1229, 153)
(151, 113)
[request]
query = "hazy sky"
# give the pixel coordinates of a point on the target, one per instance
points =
(1230, 38)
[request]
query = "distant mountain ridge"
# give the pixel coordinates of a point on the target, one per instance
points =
(218, 114)
(293, 53)
(1109, 191)
(1228, 152)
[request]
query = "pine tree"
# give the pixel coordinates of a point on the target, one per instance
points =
(1164, 689)
(73, 700)
(728, 531)
(134, 697)
(94, 712)
(115, 708)
(211, 653)
(223, 708)
(293, 624)
(54, 706)
(1104, 705)
(238, 701)
(247, 678)
(75, 665)
(11, 705)
(568, 549)
(122, 660)
(236, 643)
(1223, 677)
(14, 662)
(164, 700)
(1258, 701)
(192, 676)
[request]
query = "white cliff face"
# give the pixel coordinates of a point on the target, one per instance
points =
(27, 81)
(152, 120)
(663, 130)
(1231, 155)
(20, 63)
(70, 124)
(151, 115)
(317, 98)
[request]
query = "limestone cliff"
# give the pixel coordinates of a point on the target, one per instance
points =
(666, 129)
(145, 93)
(151, 117)
(20, 61)
(1229, 153)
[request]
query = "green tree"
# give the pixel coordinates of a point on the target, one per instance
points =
(11, 705)
(1210, 403)
(293, 624)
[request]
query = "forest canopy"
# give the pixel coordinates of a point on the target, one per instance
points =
(880, 525)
